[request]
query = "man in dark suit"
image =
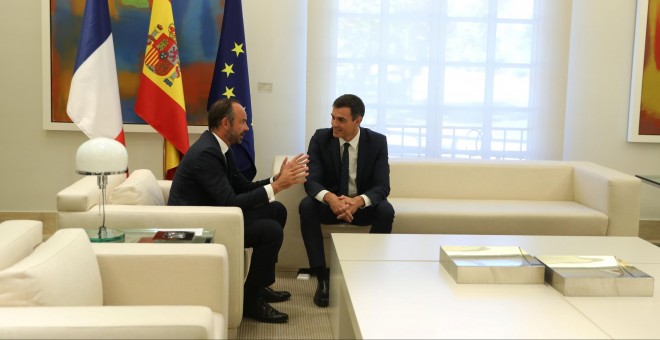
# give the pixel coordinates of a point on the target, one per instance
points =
(207, 176)
(349, 181)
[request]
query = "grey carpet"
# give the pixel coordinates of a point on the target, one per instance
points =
(306, 320)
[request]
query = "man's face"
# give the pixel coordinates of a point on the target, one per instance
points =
(343, 125)
(238, 127)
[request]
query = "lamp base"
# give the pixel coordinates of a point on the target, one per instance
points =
(112, 235)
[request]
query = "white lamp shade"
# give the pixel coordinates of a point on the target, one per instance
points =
(101, 156)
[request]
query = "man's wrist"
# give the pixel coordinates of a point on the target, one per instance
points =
(270, 191)
(276, 187)
(365, 201)
(321, 196)
(361, 201)
(327, 197)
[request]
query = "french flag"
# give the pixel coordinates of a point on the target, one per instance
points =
(93, 103)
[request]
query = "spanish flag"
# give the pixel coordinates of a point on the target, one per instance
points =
(160, 100)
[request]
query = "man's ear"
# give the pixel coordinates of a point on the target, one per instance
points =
(225, 122)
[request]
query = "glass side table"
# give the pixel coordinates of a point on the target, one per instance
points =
(112, 235)
(145, 235)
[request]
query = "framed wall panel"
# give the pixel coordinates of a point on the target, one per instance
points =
(198, 25)
(644, 115)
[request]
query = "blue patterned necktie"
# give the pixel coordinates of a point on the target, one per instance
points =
(343, 184)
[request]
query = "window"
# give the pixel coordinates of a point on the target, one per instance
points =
(449, 78)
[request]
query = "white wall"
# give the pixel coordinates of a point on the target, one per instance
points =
(277, 37)
(600, 68)
(36, 164)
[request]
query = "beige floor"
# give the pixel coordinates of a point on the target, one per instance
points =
(650, 231)
(306, 320)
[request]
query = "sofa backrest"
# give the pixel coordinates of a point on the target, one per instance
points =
(510, 180)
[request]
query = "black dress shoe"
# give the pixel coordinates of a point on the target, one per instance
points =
(260, 310)
(271, 295)
(321, 297)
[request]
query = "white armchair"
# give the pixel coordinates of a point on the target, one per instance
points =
(70, 288)
(139, 202)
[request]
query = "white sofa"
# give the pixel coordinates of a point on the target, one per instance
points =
(443, 196)
(138, 202)
(67, 287)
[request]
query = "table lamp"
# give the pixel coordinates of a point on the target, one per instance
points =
(101, 157)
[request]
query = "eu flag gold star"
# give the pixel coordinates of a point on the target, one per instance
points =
(229, 69)
(238, 49)
(229, 92)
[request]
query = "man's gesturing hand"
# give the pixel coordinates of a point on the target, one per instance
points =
(291, 172)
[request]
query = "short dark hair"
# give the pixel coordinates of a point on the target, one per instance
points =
(221, 109)
(351, 101)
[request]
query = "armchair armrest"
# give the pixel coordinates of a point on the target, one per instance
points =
(227, 222)
(612, 192)
(85, 193)
(19, 237)
(112, 322)
(164, 274)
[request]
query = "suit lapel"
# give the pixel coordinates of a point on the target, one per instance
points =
(362, 157)
(212, 141)
(229, 159)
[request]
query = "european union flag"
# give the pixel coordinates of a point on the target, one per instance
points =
(230, 79)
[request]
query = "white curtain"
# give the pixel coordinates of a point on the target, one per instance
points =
(445, 78)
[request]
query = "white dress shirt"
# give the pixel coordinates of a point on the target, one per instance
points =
(352, 168)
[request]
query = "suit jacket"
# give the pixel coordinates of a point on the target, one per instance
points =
(373, 168)
(204, 178)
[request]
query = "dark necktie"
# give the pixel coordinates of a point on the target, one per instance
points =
(230, 165)
(343, 184)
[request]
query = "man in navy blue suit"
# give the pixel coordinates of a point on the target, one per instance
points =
(349, 181)
(207, 176)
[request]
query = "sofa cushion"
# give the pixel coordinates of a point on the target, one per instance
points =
(63, 271)
(19, 237)
(140, 188)
(496, 217)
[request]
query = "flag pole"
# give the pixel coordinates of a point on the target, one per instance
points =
(164, 158)
(171, 158)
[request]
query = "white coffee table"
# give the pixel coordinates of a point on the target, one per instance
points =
(393, 286)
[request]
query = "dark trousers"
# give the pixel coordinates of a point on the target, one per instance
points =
(314, 213)
(264, 233)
